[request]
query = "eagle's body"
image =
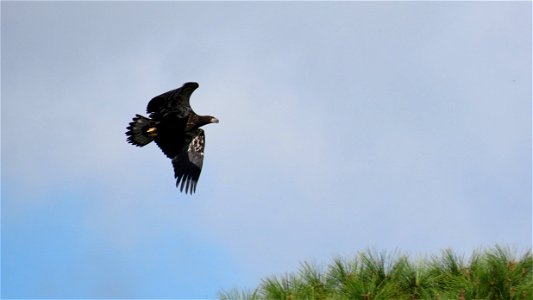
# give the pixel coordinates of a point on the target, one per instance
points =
(175, 128)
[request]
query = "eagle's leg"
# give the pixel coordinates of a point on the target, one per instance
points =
(152, 131)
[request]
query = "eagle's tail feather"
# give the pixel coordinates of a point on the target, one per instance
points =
(141, 131)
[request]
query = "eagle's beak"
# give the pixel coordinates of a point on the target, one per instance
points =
(214, 120)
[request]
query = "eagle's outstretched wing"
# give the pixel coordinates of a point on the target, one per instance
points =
(174, 101)
(188, 163)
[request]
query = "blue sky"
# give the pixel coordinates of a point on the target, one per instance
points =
(343, 126)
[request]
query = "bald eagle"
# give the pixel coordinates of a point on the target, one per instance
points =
(175, 128)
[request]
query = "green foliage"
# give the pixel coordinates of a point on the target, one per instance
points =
(493, 274)
(238, 294)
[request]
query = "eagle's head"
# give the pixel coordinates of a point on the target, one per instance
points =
(204, 120)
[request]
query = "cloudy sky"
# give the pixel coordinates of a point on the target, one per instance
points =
(343, 127)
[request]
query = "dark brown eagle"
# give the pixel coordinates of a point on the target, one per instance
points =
(175, 128)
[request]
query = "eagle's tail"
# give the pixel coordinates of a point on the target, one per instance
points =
(141, 131)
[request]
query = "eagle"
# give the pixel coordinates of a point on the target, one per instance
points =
(175, 128)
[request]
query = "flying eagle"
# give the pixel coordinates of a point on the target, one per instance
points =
(175, 128)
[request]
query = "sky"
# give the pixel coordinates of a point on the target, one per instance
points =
(346, 126)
